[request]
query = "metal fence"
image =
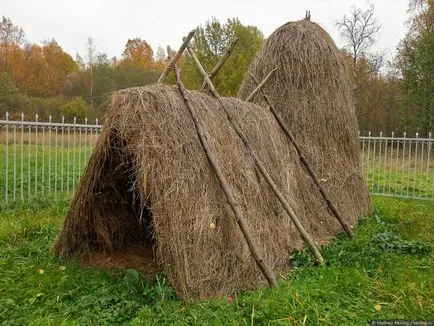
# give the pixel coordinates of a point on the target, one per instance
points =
(40, 159)
(46, 159)
(399, 166)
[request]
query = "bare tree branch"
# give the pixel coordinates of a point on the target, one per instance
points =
(359, 29)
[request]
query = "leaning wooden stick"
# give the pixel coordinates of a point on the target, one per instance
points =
(303, 233)
(303, 160)
(263, 266)
(176, 57)
(259, 87)
(220, 64)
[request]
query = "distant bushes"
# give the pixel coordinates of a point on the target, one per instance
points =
(56, 106)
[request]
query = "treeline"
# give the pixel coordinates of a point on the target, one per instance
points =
(391, 97)
(45, 80)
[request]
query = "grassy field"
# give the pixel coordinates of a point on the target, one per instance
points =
(33, 171)
(385, 272)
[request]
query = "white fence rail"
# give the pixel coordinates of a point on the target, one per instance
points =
(46, 159)
(40, 159)
(399, 166)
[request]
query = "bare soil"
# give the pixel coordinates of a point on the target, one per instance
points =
(138, 257)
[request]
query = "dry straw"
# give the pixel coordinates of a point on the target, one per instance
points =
(148, 164)
(150, 184)
(311, 91)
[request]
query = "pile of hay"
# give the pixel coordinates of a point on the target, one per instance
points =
(311, 91)
(148, 183)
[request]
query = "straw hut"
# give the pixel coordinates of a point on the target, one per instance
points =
(149, 187)
(312, 93)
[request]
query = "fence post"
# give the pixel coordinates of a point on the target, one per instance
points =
(416, 143)
(36, 155)
(428, 165)
(43, 161)
(22, 157)
(15, 163)
(85, 141)
(368, 165)
(49, 154)
(74, 149)
(391, 164)
(379, 172)
(7, 158)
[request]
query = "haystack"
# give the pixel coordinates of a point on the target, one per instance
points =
(311, 91)
(149, 185)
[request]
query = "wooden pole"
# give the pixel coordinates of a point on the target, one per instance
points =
(220, 64)
(259, 87)
(176, 57)
(239, 216)
(305, 163)
(305, 236)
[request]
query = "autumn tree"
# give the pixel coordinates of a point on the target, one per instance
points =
(41, 71)
(10, 35)
(415, 61)
(139, 53)
(59, 65)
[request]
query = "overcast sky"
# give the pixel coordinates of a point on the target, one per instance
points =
(165, 22)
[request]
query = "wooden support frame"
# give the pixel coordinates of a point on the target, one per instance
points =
(262, 84)
(239, 216)
(303, 233)
(221, 62)
(176, 57)
(303, 159)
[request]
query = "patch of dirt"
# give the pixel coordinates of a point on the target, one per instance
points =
(140, 258)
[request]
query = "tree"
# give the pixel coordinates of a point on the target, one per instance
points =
(59, 65)
(210, 43)
(359, 30)
(415, 61)
(77, 107)
(41, 71)
(91, 49)
(160, 59)
(139, 53)
(7, 86)
(10, 34)
(250, 39)
(105, 83)
(128, 74)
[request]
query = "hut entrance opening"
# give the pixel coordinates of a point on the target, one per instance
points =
(128, 240)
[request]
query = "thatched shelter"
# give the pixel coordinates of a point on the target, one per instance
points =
(312, 92)
(149, 186)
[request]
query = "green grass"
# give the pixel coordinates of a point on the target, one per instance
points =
(384, 272)
(54, 169)
(401, 183)
(407, 174)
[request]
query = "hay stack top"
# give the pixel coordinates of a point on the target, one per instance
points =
(148, 182)
(312, 92)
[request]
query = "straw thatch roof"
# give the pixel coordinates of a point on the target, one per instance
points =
(312, 92)
(149, 183)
